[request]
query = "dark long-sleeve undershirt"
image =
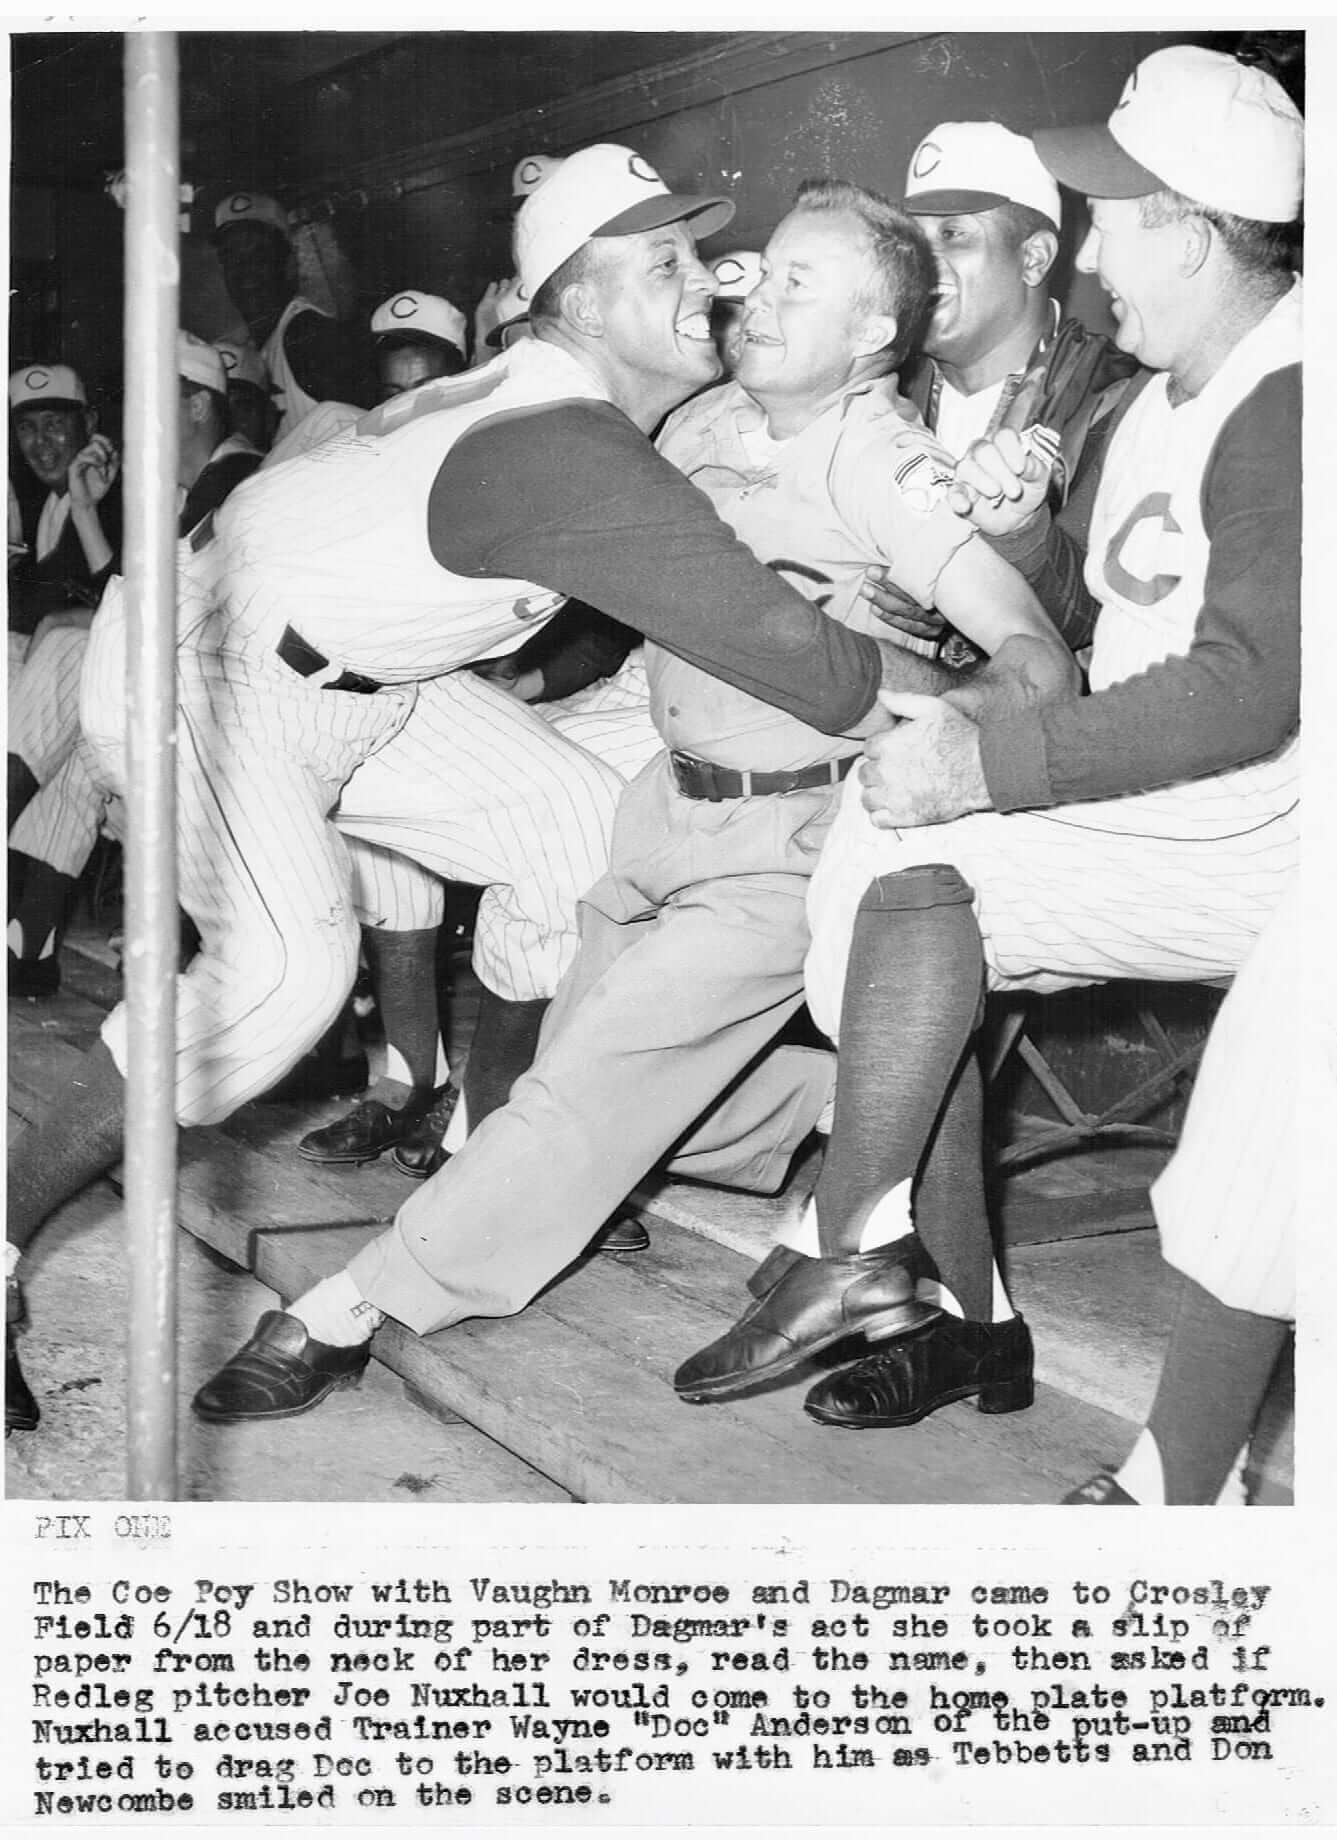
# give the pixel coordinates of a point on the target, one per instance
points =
(573, 497)
(1234, 696)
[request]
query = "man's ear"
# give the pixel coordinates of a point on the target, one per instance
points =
(1198, 234)
(878, 331)
(90, 425)
(1037, 256)
(581, 310)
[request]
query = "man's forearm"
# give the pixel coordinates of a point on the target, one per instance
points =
(904, 670)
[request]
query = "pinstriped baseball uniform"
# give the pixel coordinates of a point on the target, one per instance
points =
(610, 720)
(1227, 1202)
(44, 702)
(295, 573)
(1171, 883)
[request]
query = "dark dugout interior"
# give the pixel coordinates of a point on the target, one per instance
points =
(394, 150)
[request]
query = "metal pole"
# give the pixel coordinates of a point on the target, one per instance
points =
(152, 277)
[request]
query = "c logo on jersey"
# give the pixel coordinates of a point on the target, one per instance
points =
(804, 573)
(535, 606)
(1142, 591)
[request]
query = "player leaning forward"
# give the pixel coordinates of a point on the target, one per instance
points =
(294, 677)
(1147, 830)
(692, 945)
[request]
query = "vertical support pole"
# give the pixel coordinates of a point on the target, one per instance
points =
(152, 278)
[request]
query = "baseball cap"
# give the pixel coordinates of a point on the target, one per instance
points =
(976, 166)
(531, 172)
(421, 316)
(242, 363)
(46, 386)
(604, 190)
(1223, 133)
(198, 362)
(737, 274)
(511, 310)
(251, 208)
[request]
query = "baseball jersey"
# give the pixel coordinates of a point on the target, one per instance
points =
(1194, 555)
(864, 482)
(290, 399)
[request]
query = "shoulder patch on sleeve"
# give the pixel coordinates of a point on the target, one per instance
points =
(920, 474)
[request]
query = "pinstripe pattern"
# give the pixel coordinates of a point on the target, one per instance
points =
(61, 824)
(479, 788)
(1226, 1204)
(1175, 883)
(394, 892)
(1061, 900)
(44, 702)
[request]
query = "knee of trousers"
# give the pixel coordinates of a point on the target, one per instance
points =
(910, 890)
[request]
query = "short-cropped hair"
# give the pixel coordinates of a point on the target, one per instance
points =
(1261, 251)
(904, 275)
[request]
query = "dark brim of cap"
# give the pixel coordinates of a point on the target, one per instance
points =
(706, 215)
(498, 333)
(948, 203)
(1092, 162)
(406, 335)
(48, 402)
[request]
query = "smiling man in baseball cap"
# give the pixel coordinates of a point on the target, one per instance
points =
(535, 470)
(1006, 850)
(417, 336)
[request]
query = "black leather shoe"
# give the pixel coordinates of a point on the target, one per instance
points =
(33, 977)
(21, 1411)
(804, 1305)
(1101, 1491)
(624, 1233)
(419, 1153)
(904, 1382)
(361, 1135)
(280, 1372)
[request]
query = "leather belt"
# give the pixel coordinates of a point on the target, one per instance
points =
(702, 779)
(293, 649)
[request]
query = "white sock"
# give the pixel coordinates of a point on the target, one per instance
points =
(1234, 1490)
(1141, 1475)
(12, 1257)
(931, 1290)
(890, 1219)
(458, 1128)
(335, 1312)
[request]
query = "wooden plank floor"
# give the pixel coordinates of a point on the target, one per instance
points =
(579, 1385)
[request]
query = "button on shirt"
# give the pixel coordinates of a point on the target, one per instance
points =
(863, 483)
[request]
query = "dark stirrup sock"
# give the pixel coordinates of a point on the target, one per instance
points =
(41, 907)
(76, 1141)
(912, 1000)
(22, 788)
(503, 1048)
(403, 972)
(1212, 1385)
(950, 1214)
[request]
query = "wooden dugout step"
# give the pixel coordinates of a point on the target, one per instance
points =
(579, 1385)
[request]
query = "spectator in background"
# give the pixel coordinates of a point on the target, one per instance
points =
(417, 337)
(52, 839)
(736, 275)
(62, 548)
(311, 358)
(250, 398)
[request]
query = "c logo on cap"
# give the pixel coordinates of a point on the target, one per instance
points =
(522, 293)
(229, 359)
(239, 203)
(728, 269)
(928, 155)
(530, 172)
(642, 169)
(37, 379)
(404, 307)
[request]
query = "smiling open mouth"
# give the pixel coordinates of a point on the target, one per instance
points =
(694, 326)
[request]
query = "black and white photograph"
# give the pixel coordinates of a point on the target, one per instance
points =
(655, 840)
